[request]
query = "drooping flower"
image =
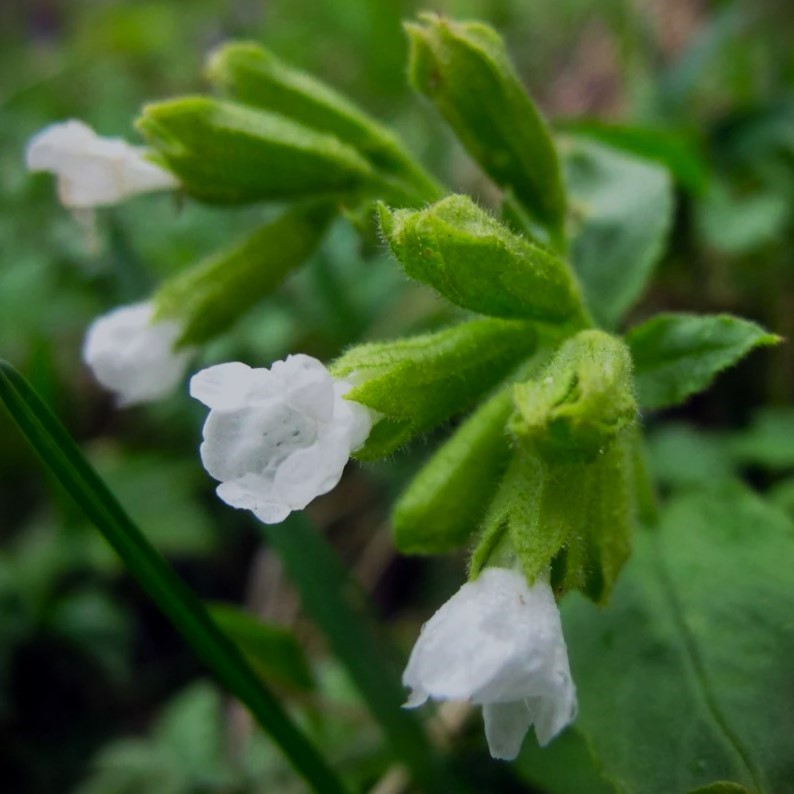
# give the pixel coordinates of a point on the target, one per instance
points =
(498, 643)
(92, 170)
(133, 356)
(277, 438)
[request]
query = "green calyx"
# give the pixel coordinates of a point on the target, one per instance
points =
(580, 402)
(420, 382)
(574, 519)
(476, 262)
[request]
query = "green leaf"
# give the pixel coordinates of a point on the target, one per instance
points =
(671, 148)
(465, 69)
(564, 767)
(685, 678)
(63, 458)
(337, 605)
(476, 262)
(251, 74)
(682, 456)
(768, 442)
(228, 153)
(677, 355)
(209, 297)
(740, 224)
(578, 404)
(422, 381)
(272, 650)
(445, 502)
(623, 210)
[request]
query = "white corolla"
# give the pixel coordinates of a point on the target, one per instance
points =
(134, 357)
(277, 438)
(92, 170)
(499, 644)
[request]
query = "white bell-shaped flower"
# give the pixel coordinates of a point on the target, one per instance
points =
(277, 438)
(498, 643)
(93, 171)
(133, 356)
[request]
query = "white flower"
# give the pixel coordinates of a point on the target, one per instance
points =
(498, 643)
(134, 357)
(93, 171)
(277, 438)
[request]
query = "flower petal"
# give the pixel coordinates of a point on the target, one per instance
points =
(506, 724)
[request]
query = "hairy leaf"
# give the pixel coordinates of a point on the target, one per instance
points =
(677, 355)
(684, 679)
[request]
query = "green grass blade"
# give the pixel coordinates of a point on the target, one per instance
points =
(183, 608)
(338, 607)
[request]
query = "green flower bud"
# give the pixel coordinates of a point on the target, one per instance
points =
(227, 153)
(580, 402)
(476, 262)
(251, 74)
(208, 297)
(464, 68)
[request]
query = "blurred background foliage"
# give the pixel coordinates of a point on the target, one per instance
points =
(97, 694)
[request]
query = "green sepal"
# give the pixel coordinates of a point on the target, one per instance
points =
(227, 153)
(677, 355)
(251, 74)
(574, 519)
(579, 403)
(464, 68)
(445, 502)
(476, 262)
(210, 296)
(419, 382)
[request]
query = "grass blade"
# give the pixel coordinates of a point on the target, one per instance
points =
(183, 608)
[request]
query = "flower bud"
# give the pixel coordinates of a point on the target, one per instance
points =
(580, 402)
(228, 153)
(464, 68)
(476, 262)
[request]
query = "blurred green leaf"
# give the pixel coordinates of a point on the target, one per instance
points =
(623, 211)
(564, 767)
(272, 650)
(693, 682)
(677, 355)
(768, 441)
(63, 458)
(668, 147)
(683, 456)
